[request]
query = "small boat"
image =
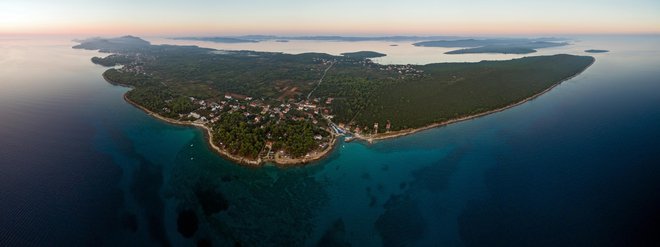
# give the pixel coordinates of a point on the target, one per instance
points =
(349, 139)
(192, 158)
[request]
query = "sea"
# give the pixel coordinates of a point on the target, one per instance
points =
(577, 166)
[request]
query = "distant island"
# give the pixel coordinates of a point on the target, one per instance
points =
(503, 46)
(218, 39)
(260, 38)
(363, 54)
(259, 107)
(596, 51)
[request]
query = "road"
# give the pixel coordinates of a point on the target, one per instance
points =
(320, 80)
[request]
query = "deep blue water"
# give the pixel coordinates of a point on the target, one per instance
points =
(578, 166)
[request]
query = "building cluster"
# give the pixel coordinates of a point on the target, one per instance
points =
(136, 64)
(404, 71)
(258, 111)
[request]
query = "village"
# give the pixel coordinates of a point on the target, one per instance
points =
(258, 113)
(403, 71)
(316, 110)
(263, 113)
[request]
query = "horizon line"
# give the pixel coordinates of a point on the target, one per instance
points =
(320, 34)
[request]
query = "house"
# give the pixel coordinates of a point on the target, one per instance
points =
(313, 106)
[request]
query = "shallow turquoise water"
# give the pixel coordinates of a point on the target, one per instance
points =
(577, 166)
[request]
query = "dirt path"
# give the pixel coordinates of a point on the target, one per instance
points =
(321, 80)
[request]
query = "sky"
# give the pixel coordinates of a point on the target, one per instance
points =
(329, 17)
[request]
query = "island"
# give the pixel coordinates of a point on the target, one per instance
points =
(230, 40)
(502, 46)
(596, 51)
(285, 109)
(363, 54)
(259, 38)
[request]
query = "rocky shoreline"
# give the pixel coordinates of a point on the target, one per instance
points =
(278, 161)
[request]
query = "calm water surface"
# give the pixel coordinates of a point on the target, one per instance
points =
(578, 166)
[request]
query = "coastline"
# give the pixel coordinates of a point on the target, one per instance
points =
(208, 134)
(317, 155)
(405, 132)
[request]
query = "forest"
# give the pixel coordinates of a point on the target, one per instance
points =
(357, 92)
